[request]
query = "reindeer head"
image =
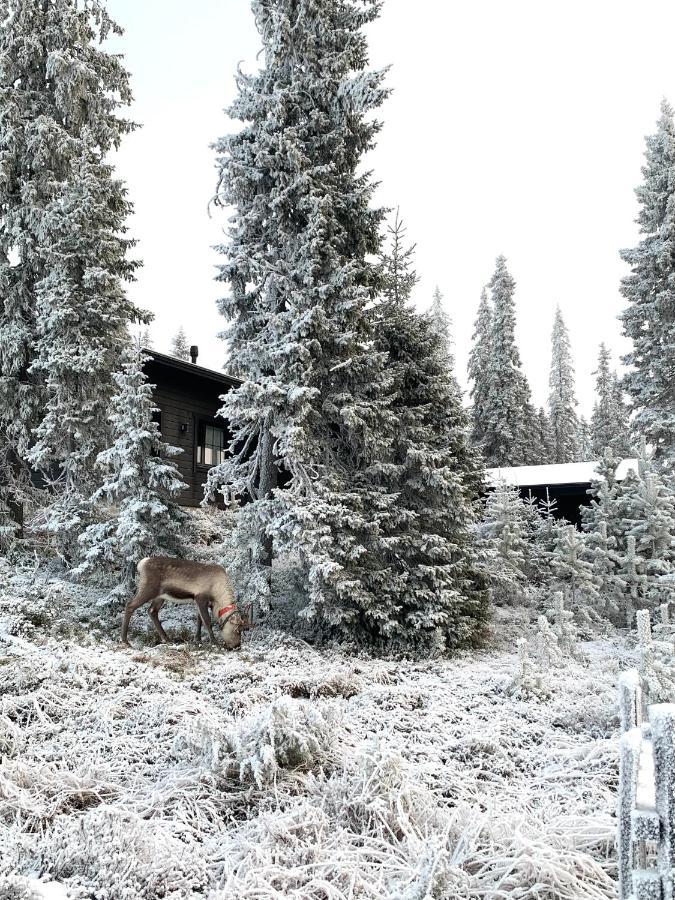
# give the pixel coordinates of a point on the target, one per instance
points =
(234, 624)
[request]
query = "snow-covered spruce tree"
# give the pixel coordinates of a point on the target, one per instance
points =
(180, 347)
(649, 319)
(480, 359)
(434, 472)
(503, 530)
(584, 441)
(610, 419)
(630, 575)
(544, 438)
(604, 490)
(63, 246)
(602, 555)
(505, 440)
(139, 480)
(443, 325)
(561, 400)
(315, 400)
(572, 569)
(647, 512)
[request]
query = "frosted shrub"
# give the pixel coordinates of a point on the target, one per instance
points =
(527, 682)
(15, 887)
(122, 857)
(548, 652)
(287, 734)
(378, 796)
(563, 626)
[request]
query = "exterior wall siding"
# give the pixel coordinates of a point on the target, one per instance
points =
(184, 398)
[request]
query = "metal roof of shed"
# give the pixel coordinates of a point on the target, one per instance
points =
(565, 473)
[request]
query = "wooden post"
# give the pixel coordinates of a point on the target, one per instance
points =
(630, 700)
(662, 720)
(629, 760)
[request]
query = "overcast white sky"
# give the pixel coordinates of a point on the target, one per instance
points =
(515, 127)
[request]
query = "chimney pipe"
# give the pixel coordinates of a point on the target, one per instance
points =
(194, 353)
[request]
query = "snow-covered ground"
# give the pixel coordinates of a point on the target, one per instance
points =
(282, 771)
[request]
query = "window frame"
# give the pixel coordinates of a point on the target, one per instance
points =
(203, 422)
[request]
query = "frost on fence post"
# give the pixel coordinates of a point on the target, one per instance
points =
(662, 720)
(630, 700)
(629, 761)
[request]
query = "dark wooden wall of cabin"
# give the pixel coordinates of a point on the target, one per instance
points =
(183, 398)
(569, 499)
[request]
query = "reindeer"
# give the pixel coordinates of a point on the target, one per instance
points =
(162, 578)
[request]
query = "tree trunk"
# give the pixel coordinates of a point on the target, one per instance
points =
(269, 477)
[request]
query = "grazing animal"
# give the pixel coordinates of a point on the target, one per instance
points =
(162, 578)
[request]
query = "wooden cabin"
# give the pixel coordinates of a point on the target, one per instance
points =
(567, 483)
(188, 398)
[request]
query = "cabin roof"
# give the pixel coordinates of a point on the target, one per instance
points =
(560, 473)
(189, 368)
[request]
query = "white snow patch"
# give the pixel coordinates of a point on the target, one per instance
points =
(563, 473)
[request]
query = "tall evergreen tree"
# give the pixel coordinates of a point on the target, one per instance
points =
(480, 359)
(443, 324)
(584, 441)
(609, 422)
(545, 440)
(315, 400)
(435, 474)
(180, 346)
(505, 440)
(63, 244)
(561, 401)
(649, 319)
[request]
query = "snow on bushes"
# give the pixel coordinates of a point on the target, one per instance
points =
(279, 770)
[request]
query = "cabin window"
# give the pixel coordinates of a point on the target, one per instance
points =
(210, 445)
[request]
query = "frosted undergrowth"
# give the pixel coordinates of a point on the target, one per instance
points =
(282, 771)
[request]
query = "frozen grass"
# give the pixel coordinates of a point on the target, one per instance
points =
(281, 771)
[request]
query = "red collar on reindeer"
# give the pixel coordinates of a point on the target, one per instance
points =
(226, 609)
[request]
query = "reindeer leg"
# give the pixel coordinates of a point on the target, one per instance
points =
(129, 610)
(198, 633)
(205, 616)
(155, 607)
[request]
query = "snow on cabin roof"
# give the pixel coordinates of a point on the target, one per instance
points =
(562, 473)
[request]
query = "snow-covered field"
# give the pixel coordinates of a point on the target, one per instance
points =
(282, 771)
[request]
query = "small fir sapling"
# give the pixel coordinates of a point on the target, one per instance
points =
(656, 664)
(570, 567)
(547, 647)
(527, 682)
(648, 513)
(504, 529)
(562, 401)
(648, 320)
(604, 493)
(602, 555)
(563, 626)
(180, 346)
(631, 576)
(139, 480)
